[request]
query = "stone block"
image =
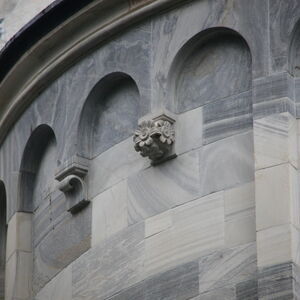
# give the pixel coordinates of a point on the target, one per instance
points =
(18, 276)
(65, 243)
(274, 245)
(105, 170)
(111, 266)
(189, 129)
(19, 233)
(275, 139)
(276, 282)
(158, 223)
(179, 283)
(225, 293)
(197, 228)
(109, 212)
(247, 290)
(227, 163)
(59, 288)
(273, 95)
(227, 267)
(162, 187)
(274, 205)
(240, 227)
(231, 116)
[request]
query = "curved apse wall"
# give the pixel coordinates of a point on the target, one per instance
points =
(110, 114)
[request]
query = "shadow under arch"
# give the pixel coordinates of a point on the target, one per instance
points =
(110, 114)
(214, 64)
(41, 139)
(294, 51)
(3, 237)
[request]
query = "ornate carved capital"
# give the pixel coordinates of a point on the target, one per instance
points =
(155, 138)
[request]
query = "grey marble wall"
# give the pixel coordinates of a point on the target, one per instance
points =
(2, 238)
(189, 228)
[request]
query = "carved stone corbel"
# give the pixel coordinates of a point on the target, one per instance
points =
(75, 191)
(155, 138)
(71, 183)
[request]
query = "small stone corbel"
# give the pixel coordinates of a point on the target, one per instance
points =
(75, 191)
(154, 138)
(71, 183)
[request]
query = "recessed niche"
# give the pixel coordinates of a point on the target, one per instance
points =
(110, 114)
(37, 168)
(211, 66)
(294, 52)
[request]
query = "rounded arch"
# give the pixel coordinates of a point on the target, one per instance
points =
(110, 114)
(214, 64)
(3, 236)
(39, 153)
(294, 51)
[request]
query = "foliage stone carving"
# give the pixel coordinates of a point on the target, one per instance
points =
(154, 139)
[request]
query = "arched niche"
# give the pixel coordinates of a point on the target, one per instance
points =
(37, 173)
(3, 235)
(213, 65)
(294, 52)
(110, 114)
(37, 168)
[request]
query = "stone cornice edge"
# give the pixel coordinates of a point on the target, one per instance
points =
(59, 49)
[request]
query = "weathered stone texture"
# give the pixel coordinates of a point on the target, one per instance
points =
(221, 220)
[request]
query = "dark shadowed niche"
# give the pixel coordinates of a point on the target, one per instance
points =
(213, 65)
(36, 187)
(294, 52)
(3, 232)
(37, 168)
(110, 114)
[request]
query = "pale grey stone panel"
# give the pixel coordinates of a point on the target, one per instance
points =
(162, 187)
(63, 244)
(59, 288)
(109, 212)
(226, 163)
(240, 221)
(179, 283)
(189, 131)
(110, 267)
(113, 166)
(197, 228)
(227, 117)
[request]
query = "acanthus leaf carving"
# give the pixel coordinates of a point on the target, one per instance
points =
(155, 138)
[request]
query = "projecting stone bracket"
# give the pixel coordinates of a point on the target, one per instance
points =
(75, 191)
(155, 138)
(71, 183)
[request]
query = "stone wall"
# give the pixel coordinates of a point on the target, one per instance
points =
(219, 221)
